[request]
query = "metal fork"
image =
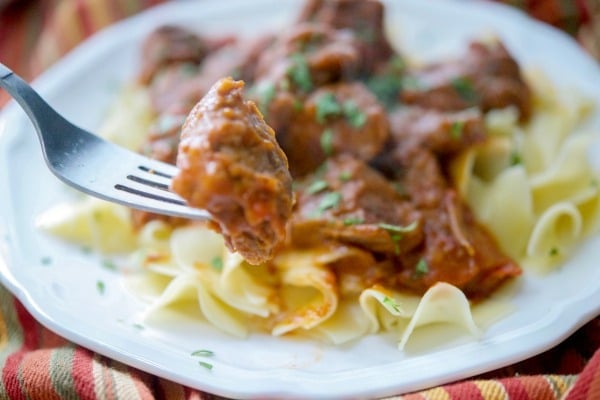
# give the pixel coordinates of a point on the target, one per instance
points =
(95, 166)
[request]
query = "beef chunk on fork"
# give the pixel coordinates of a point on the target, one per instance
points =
(231, 165)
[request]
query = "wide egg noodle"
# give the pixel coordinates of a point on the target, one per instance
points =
(504, 203)
(569, 174)
(555, 234)
(308, 290)
(442, 304)
(132, 113)
(91, 223)
(347, 324)
(533, 186)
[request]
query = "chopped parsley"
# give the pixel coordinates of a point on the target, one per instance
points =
(400, 188)
(355, 116)
(202, 353)
(411, 83)
(299, 72)
(396, 238)
(554, 252)
(327, 106)
(515, 158)
(330, 200)
(327, 142)
(456, 129)
(464, 87)
(206, 365)
(317, 186)
(421, 268)
(353, 221)
(386, 88)
(217, 263)
(266, 93)
(398, 228)
(391, 303)
(100, 287)
(108, 264)
(345, 176)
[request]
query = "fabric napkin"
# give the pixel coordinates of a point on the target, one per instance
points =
(35, 363)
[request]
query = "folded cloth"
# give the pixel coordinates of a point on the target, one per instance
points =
(38, 364)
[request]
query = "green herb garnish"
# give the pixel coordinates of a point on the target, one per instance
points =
(456, 129)
(388, 301)
(464, 88)
(386, 88)
(108, 264)
(299, 72)
(327, 106)
(421, 268)
(266, 93)
(353, 114)
(411, 83)
(398, 228)
(327, 142)
(345, 176)
(217, 263)
(317, 186)
(330, 200)
(206, 365)
(202, 353)
(515, 158)
(396, 238)
(554, 252)
(353, 221)
(100, 286)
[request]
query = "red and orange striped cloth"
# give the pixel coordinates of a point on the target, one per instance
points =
(38, 364)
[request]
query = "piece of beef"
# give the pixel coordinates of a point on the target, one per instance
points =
(309, 55)
(444, 133)
(342, 118)
(487, 76)
(181, 85)
(348, 202)
(231, 165)
(456, 249)
(365, 18)
(169, 45)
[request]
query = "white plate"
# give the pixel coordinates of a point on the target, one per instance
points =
(62, 294)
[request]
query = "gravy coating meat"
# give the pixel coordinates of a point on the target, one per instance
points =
(342, 118)
(346, 201)
(364, 18)
(231, 165)
(309, 55)
(487, 76)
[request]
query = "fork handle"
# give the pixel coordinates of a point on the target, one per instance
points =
(41, 114)
(4, 71)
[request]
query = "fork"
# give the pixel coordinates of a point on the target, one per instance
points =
(95, 166)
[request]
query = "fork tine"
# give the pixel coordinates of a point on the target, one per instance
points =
(148, 189)
(141, 199)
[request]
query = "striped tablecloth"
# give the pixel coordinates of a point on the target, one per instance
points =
(38, 364)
